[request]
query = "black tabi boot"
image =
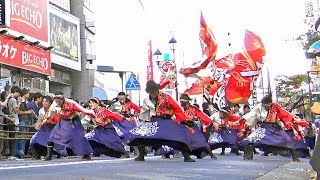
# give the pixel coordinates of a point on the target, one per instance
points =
(176, 154)
(135, 150)
(248, 152)
(208, 150)
(236, 151)
(166, 156)
(36, 155)
(295, 156)
(85, 158)
(49, 154)
(125, 155)
(142, 152)
(223, 151)
(187, 157)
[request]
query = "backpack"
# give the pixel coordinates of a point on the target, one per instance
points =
(6, 111)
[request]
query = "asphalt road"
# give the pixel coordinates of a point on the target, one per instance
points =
(226, 167)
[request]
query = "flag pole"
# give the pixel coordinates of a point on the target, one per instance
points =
(262, 85)
(269, 84)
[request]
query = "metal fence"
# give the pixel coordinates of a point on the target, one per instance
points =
(10, 132)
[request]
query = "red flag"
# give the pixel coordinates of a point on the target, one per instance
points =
(204, 85)
(209, 49)
(196, 88)
(248, 65)
(150, 63)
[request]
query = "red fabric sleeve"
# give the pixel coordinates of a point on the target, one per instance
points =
(180, 116)
(303, 123)
(113, 116)
(78, 108)
(202, 117)
(284, 116)
(136, 108)
(56, 118)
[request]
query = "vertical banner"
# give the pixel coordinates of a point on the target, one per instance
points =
(150, 63)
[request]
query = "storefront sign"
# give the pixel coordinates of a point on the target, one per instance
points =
(17, 54)
(165, 66)
(29, 17)
(65, 38)
(62, 4)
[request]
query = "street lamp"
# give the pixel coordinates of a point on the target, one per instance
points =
(157, 53)
(172, 42)
(172, 65)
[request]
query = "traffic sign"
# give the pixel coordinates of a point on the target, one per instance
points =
(133, 83)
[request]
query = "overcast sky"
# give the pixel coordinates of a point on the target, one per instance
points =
(124, 28)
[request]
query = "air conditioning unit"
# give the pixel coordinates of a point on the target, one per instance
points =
(91, 57)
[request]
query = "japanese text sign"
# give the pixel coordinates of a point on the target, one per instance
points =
(17, 54)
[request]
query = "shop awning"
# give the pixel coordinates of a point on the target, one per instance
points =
(99, 93)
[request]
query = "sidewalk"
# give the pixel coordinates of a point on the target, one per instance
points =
(291, 170)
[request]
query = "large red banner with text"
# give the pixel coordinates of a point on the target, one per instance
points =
(30, 17)
(24, 56)
(150, 62)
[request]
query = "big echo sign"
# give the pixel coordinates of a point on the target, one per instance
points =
(25, 56)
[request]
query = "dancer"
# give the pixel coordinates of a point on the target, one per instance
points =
(269, 136)
(198, 142)
(159, 127)
(221, 137)
(124, 106)
(103, 138)
(45, 124)
(69, 131)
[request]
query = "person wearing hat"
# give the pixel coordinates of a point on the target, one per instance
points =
(198, 142)
(104, 138)
(69, 131)
(221, 137)
(162, 117)
(269, 136)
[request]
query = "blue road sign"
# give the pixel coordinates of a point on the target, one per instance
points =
(133, 83)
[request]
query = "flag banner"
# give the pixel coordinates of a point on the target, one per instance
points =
(196, 88)
(209, 47)
(219, 98)
(248, 65)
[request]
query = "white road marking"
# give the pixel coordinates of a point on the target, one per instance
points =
(72, 163)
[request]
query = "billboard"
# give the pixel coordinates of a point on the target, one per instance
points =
(61, 4)
(64, 32)
(30, 17)
(24, 56)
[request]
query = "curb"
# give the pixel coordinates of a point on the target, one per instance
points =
(291, 170)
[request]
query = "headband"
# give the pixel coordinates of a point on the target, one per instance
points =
(59, 96)
(184, 100)
(122, 96)
(95, 99)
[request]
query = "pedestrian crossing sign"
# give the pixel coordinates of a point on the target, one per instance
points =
(133, 83)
